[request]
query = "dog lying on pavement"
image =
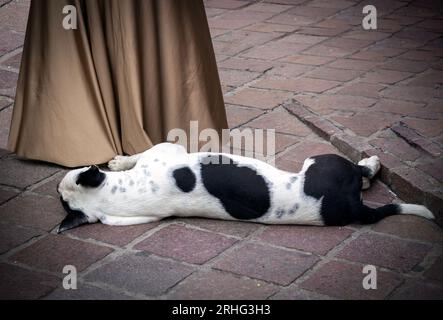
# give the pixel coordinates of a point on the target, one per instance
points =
(167, 181)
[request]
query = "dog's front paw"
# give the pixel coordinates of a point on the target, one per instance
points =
(119, 163)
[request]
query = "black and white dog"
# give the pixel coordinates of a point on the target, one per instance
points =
(167, 181)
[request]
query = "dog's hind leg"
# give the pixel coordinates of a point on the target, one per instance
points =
(370, 167)
(121, 163)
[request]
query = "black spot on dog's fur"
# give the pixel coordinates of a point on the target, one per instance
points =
(339, 181)
(243, 193)
(184, 179)
(91, 178)
(74, 218)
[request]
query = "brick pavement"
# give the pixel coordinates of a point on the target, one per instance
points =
(306, 68)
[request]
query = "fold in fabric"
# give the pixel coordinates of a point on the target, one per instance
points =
(131, 71)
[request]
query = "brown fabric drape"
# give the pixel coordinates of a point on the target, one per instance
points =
(129, 73)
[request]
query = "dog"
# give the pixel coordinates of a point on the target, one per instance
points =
(167, 181)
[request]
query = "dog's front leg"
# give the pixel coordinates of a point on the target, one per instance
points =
(121, 163)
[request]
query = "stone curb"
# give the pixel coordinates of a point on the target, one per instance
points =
(410, 184)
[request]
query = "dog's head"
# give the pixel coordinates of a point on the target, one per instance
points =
(76, 191)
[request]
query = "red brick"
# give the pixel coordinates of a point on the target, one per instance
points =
(289, 70)
(186, 244)
(369, 56)
(14, 61)
(215, 285)
(365, 124)
(318, 240)
(14, 15)
(282, 122)
(286, 18)
(308, 149)
(267, 7)
(334, 74)
(338, 4)
(363, 89)
(86, 292)
(246, 37)
(385, 252)
(379, 193)
(308, 11)
(50, 187)
(344, 281)
(33, 211)
(225, 4)
(115, 235)
(239, 115)
(325, 103)
(411, 184)
(263, 99)
(412, 93)
(8, 82)
(282, 141)
(434, 168)
(406, 65)
(301, 38)
(385, 76)
(6, 194)
(296, 293)
(296, 85)
(306, 59)
(271, 27)
(232, 228)
(21, 173)
(410, 227)
(12, 236)
(11, 40)
(53, 252)
(416, 140)
(354, 147)
(280, 266)
(397, 147)
(19, 283)
(283, 163)
(246, 64)
(346, 43)
(419, 55)
(5, 122)
(327, 32)
(217, 32)
(353, 64)
(428, 128)
(322, 50)
(274, 50)
(418, 290)
(434, 272)
(225, 48)
(400, 107)
(366, 35)
(431, 79)
(236, 78)
(140, 274)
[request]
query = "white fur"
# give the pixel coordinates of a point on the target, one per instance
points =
(417, 210)
(150, 191)
(372, 163)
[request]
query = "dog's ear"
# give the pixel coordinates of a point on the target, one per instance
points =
(91, 177)
(74, 218)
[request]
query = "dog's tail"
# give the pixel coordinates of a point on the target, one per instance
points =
(367, 215)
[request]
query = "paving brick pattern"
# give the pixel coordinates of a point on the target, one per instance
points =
(307, 69)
